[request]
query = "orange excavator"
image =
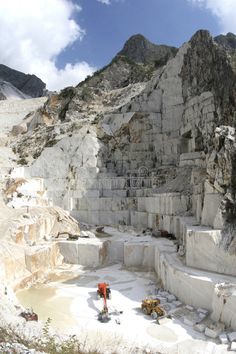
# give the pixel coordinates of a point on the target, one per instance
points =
(104, 292)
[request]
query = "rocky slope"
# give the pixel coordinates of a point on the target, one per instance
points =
(147, 146)
(8, 91)
(142, 51)
(227, 41)
(133, 122)
(29, 85)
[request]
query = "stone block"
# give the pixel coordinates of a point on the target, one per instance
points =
(189, 321)
(171, 298)
(164, 293)
(80, 215)
(142, 204)
(139, 219)
(104, 183)
(198, 243)
(200, 327)
(41, 258)
(138, 255)
(172, 119)
(114, 193)
(153, 221)
(232, 336)
(104, 204)
(223, 338)
(211, 205)
(177, 303)
(92, 204)
(83, 252)
(213, 332)
(233, 346)
(202, 316)
(189, 308)
(107, 217)
(151, 205)
(115, 251)
(118, 183)
(122, 217)
(162, 299)
(170, 159)
(93, 217)
(92, 193)
(203, 311)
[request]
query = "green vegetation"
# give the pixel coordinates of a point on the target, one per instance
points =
(48, 343)
(22, 161)
(138, 72)
(51, 142)
(37, 154)
(67, 92)
(86, 94)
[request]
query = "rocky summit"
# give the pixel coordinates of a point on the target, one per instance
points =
(29, 85)
(142, 153)
(141, 50)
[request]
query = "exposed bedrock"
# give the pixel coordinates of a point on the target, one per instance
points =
(156, 154)
(29, 84)
(200, 288)
(168, 152)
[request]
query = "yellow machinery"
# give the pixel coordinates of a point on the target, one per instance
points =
(151, 307)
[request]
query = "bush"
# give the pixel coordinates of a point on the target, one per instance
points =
(48, 343)
(22, 161)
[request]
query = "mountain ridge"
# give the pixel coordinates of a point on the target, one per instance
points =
(28, 84)
(139, 49)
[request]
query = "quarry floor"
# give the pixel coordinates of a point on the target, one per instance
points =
(71, 302)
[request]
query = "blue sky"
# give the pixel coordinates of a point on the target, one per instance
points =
(63, 41)
(107, 27)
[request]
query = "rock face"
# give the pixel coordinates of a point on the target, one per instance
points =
(152, 148)
(227, 41)
(135, 63)
(13, 111)
(160, 125)
(30, 85)
(156, 131)
(142, 51)
(8, 91)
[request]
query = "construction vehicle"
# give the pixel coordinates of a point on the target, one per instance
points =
(151, 307)
(104, 292)
(103, 288)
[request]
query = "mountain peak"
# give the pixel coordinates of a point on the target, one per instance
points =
(141, 50)
(28, 84)
(227, 41)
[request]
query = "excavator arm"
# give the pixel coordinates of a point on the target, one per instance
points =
(103, 315)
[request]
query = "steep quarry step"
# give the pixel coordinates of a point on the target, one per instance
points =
(12, 112)
(22, 192)
(21, 266)
(102, 217)
(125, 207)
(192, 159)
(203, 245)
(192, 286)
(205, 250)
(196, 287)
(26, 192)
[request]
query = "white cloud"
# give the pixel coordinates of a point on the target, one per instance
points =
(225, 10)
(34, 33)
(106, 2)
